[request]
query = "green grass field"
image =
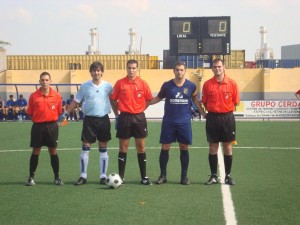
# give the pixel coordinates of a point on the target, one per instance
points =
(266, 169)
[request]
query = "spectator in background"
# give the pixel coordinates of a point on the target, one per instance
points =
(10, 107)
(21, 107)
(64, 105)
(195, 112)
(75, 111)
(2, 110)
(297, 94)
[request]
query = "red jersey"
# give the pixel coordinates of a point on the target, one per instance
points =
(131, 95)
(220, 97)
(43, 108)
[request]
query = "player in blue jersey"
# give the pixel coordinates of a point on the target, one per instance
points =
(10, 107)
(75, 111)
(2, 112)
(64, 105)
(21, 106)
(179, 93)
(94, 95)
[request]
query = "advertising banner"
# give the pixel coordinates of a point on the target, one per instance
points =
(270, 109)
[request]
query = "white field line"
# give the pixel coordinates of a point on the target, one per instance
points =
(228, 207)
(229, 212)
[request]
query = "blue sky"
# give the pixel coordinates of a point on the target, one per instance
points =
(44, 27)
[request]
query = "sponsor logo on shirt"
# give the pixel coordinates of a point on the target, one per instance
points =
(179, 98)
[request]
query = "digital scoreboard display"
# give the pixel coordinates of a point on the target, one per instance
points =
(199, 35)
(184, 38)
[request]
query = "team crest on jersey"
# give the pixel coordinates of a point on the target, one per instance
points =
(185, 90)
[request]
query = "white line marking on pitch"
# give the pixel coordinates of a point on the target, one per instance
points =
(229, 212)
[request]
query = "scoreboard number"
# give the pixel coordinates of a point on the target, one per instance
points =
(199, 35)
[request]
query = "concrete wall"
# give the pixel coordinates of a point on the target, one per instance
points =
(254, 84)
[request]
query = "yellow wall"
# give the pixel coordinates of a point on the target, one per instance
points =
(248, 80)
(283, 80)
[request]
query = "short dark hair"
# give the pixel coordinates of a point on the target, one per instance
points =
(132, 61)
(179, 64)
(44, 74)
(218, 60)
(96, 65)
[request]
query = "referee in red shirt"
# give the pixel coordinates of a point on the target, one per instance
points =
(131, 96)
(44, 107)
(297, 94)
(220, 96)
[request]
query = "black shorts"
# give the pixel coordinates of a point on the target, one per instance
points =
(96, 128)
(44, 134)
(220, 127)
(132, 125)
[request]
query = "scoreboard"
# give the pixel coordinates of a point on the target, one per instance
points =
(199, 35)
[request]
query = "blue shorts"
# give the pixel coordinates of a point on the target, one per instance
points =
(176, 132)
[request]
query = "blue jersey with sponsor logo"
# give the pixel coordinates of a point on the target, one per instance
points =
(177, 101)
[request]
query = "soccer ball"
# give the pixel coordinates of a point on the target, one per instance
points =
(113, 181)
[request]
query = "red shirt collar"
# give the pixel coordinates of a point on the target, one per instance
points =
(50, 91)
(225, 80)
